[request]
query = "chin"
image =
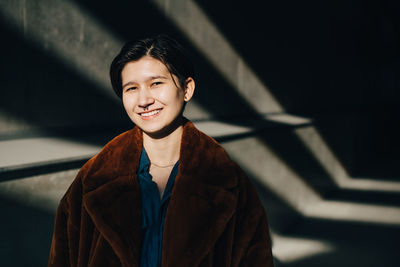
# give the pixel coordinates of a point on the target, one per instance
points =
(156, 133)
(158, 130)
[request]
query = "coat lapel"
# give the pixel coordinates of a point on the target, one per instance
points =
(194, 222)
(115, 203)
(202, 202)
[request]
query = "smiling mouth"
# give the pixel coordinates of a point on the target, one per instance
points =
(150, 114)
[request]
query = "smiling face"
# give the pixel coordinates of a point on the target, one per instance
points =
(151, 97)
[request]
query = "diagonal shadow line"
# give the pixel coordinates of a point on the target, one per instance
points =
(274, 203)
(239, 97)
(41, 168)
(288, 147)
(186, 30)
(99, 11)
(279, 75)
(341, 235)
(177, 18)
(46, 89)
(215, 85)
(80, 131)
(295, 224)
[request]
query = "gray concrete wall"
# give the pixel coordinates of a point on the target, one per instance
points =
(56, 59)
(326, 185)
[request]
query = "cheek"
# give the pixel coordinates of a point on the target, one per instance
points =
(171, 96)
(128, 103)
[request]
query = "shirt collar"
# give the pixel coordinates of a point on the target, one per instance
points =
(144, 162)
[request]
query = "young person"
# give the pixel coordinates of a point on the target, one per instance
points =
(163, 193)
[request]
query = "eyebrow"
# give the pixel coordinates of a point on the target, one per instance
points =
(148, 79)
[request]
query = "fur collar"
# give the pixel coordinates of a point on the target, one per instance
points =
(203, 199)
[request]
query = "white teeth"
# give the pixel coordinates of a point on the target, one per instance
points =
(150, 113)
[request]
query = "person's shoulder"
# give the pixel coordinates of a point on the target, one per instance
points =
(221, 157)
(115, 148)
(103, 164)
(210, 155)
(202, 148)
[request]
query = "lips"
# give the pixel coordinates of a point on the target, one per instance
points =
(150, 114)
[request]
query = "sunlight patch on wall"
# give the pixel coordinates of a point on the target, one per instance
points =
(315, 143)
(287, 119)
(203, 34)
(32, 151)
(353, 212)
(10, 123)
(260, 162)
(221, 129)
(78, 40)
(289, 249)
(41, 191)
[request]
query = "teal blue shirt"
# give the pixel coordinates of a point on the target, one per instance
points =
(154, 210)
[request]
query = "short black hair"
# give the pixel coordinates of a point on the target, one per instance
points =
(161, 47)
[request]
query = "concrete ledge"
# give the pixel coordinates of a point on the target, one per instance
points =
(24, 157)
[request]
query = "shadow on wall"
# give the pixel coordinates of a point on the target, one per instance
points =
(49, 95)
(333, 61)
(213, 92)
(352, 243)
(45, 94)
(294, 55)
(287, 146)
(25, 233)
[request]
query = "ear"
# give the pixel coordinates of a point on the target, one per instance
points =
(189, 89)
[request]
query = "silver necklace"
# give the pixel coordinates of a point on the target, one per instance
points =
(160, 166)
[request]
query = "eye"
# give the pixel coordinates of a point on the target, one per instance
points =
(131, 88)
(156, 83)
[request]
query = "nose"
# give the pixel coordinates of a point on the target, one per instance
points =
(145, 98)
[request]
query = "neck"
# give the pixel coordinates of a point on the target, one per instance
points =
(164, 151)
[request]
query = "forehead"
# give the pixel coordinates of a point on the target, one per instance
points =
(143, 68)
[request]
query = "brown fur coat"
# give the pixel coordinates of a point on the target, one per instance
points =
(214, 217)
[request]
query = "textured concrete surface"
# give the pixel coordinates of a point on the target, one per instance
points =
(192, 20)
(30, 151)
(327, 178)
(58, 31)
(40, 192)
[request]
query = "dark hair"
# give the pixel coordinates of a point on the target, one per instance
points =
(161, 47)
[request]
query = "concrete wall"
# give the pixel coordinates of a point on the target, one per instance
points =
(56, 59)
(331, 62)
(309, 63)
